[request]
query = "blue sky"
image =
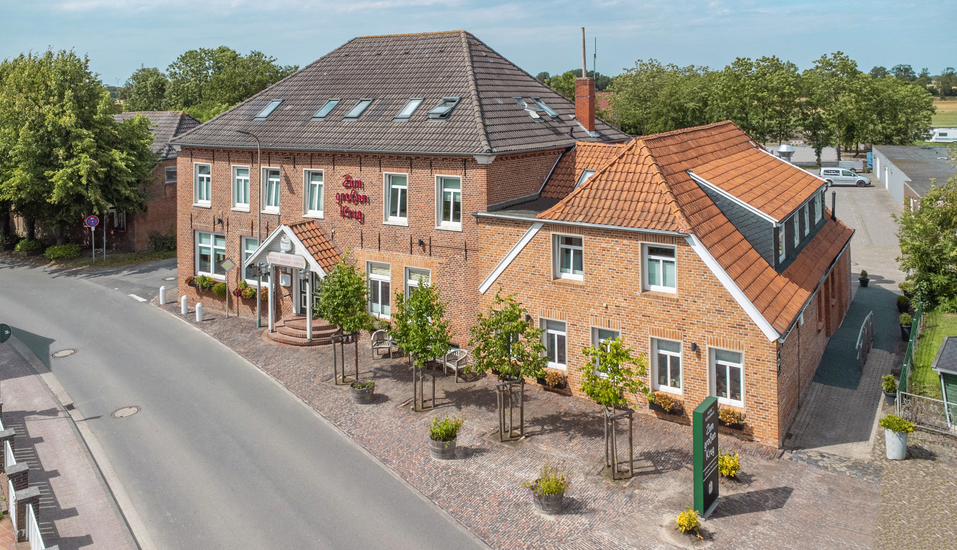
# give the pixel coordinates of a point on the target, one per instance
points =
(121, 35)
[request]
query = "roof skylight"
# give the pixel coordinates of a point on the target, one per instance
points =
(359, 108)
(546, 108)
(268, 109)
(444, 108)
(326, 109)
(584, 177)
(521, 102)
(410, 107)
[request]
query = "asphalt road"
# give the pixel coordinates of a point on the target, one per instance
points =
(219, 456)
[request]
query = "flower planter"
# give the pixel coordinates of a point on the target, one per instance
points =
(442, 450)
(890, 397)
(658, 408)
(363, 394)
(864, 282)
(905, 332)
(895, 444)
(735, 426)
(549, 504)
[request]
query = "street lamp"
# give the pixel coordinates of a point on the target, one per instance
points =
(259, 215)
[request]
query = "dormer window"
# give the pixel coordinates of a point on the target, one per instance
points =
(584, 177)
(359, 108)
(268, 109)
(541, 104)
(410, 107)
(444, 108)
(326, 109)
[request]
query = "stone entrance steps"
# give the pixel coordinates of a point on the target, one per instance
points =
(292, 331)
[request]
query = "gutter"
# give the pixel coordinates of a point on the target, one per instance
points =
(578, 224)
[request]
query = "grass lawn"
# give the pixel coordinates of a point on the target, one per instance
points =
(921, 379)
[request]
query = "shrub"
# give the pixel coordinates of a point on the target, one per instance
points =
(907, 288)
(62, 252)
(204, 282)
(10, 241)
(896, 424)
(666, 401)
(446, 429)
(903, 302)
(730, 417)
(728, 464)
(363, 384)
(688, 522)
(553, 378)
(219, 289)
(162, 242)
(35, 245)
(863, 274)
(551, 481)
(888, 384)
(906, 319)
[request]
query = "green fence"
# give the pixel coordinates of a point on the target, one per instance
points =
(911, 345)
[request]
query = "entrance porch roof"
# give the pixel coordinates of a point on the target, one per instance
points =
(307, 240)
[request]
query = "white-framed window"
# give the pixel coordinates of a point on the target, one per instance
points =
(555, 339)
(380, 289)
(781, 249)
(315, 190)
(660, 271)
(270, 199)
(210, 254)
(728, 374)
(449, 198)
(812, 206)
(170, 174)
(414, 277)
(397, 198)
(603, 337)
(569, 254)
(250, 244)
(821, 206)
(807, 224)
(667, 364)
(241, 188)
(119, 220)
(202, 184)
(797, 231)
(586, 173)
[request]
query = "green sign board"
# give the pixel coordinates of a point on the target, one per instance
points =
(5, 333)
(706, 456)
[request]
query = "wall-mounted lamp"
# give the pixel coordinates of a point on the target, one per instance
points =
(219, 221)
(528, 318)
(421, 242)
(694, 347)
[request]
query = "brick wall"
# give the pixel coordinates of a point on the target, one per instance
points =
(160, 215)
(609, 296)
(519, 175)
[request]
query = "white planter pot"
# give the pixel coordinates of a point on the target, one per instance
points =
(896, 444)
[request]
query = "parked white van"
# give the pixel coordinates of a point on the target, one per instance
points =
(842, 176)
(943, 135)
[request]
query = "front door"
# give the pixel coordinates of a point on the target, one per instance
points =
(303, 295)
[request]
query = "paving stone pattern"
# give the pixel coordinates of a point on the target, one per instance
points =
(777, 503)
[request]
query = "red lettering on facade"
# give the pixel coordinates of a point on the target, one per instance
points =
(350, 183)
(352, 197)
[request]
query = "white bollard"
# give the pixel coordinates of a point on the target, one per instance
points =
(199, 312)
(183, 306)
(162, 295)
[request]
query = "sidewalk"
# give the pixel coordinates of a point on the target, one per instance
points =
(76, 508)
(781, 504)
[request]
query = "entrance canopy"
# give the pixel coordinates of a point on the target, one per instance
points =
(303, 239)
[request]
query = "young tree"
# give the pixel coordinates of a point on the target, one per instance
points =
(145, 90)
(505, 341)
(834, 86)
(62, 156)
(421, 330)
(342, 301)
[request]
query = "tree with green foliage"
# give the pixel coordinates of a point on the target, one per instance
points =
(421, 329)
(565, 82)
(62, 156)
(879, 72)
(612, 372)
(652, 97)
(928, 241)
(895, 112)
(145, 90)
(342, 301)
(834, 87)
(946, 83)
(506, 342)
(904, 72)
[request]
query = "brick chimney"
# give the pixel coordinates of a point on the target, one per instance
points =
(585, 102)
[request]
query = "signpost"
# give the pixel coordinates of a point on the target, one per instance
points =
(227, 265)
(706, 456)
(91, 222)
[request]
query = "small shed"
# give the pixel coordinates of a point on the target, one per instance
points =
(945, 363)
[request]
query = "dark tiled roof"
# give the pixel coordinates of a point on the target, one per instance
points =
(647, 186)
(390, 70)
(165, 125)
(312, 237)
(921, 164)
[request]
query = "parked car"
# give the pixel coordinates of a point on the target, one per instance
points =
(842, 176)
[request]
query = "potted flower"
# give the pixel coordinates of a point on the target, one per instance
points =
(442, 437)
(688, 522)
(905, 321)
(204, 283)
(363, 391)
(729, 465)
(903, 304)
(220, 289)
(863, 279)
(665, 402)
(889, 385)
(553, 380)
(190, 281)
(548, 491)
(895, 436)
(731, 418)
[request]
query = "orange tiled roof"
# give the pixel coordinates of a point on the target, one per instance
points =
(647, 186)
(584, 156)
(315, 241)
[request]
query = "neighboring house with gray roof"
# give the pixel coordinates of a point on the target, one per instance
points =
(387, 145)
(909, 171)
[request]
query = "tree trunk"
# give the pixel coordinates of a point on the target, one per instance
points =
(60, 232)
(4, 219)
(837, 128)
(31, 228)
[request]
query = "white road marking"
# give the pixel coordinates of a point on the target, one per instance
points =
(137, 298)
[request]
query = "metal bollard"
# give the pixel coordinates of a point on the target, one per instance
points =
(199, 312)
(183, 306)
(162, 295)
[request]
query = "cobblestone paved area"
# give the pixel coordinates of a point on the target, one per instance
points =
(777, 503)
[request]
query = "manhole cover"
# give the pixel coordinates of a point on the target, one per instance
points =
(169, 278)
(125, 411)
(63, 353)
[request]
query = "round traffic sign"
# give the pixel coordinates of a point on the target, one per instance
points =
(91, 221)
